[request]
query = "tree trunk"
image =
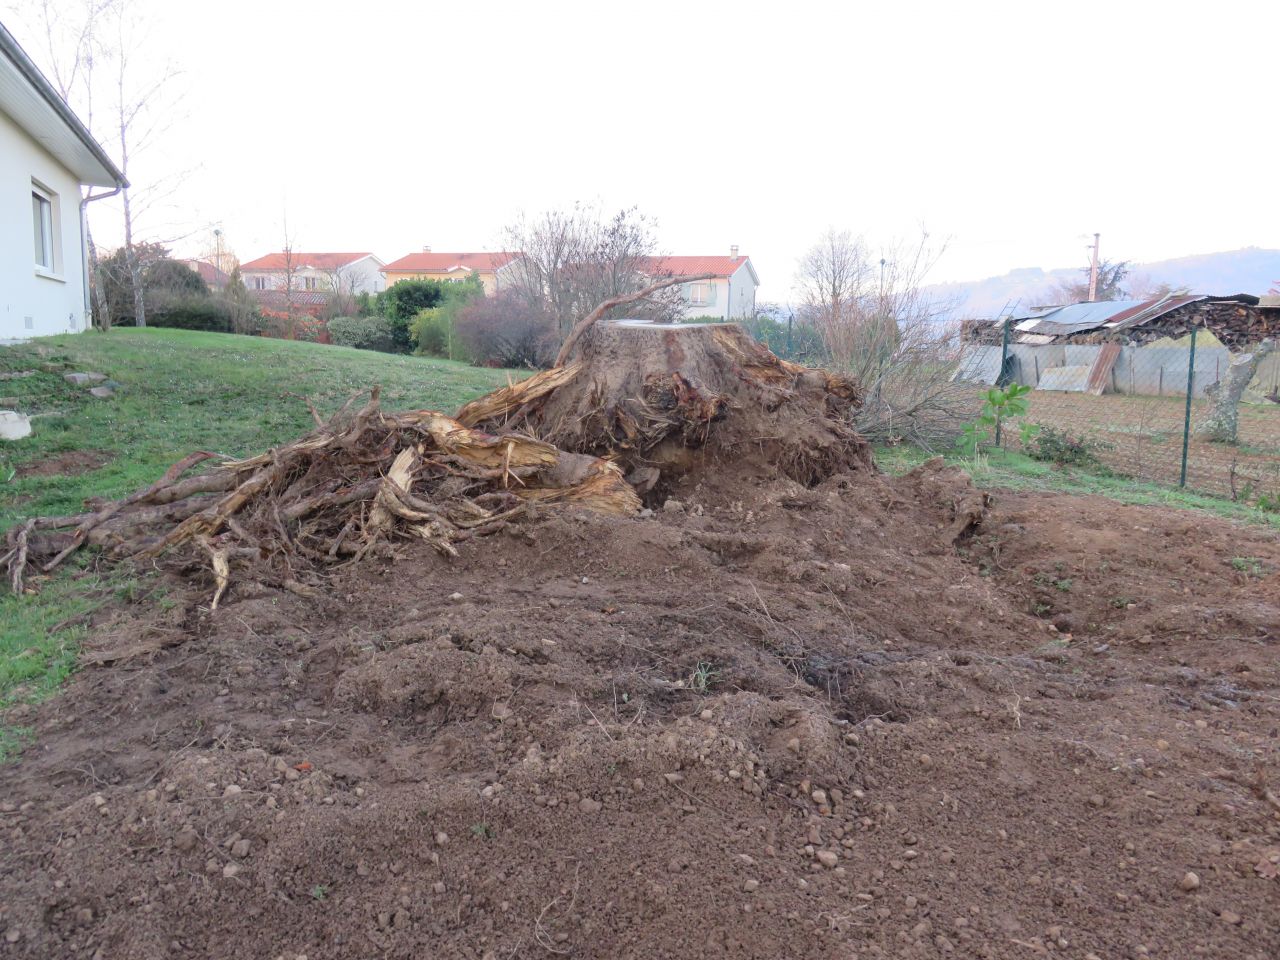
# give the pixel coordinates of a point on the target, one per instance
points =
(99, 288)
(135, 269)
(663, 399)
(1223, 422)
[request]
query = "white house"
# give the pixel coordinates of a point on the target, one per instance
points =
(349, 272)
(46, 155)
(729, 295)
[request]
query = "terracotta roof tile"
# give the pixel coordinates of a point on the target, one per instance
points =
(691, 266)
(443, 262)
(320, 261)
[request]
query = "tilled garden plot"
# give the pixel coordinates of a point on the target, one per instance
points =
(872, 717)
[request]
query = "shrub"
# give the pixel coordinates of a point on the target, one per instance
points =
(434, 329)
(364, 333)
(191, 312)
(1061, 447)
(506, 331)
(403, 300)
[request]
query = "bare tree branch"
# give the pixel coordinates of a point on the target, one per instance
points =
(585, 324)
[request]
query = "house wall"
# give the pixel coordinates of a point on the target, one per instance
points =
(731, 298)
(488, 278)
(33, 302)
(365, 276)
(366, 273)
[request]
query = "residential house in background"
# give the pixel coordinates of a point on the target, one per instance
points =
(729, 295)
(491, 268)
(209, 273)
(320, 272)
(46, 155)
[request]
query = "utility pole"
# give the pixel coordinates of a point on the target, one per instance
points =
(1093, 271)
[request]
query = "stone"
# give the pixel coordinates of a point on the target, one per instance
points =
(828, 858)
(83, 379)
(1190, 881)
(14, 425)
(587, 805)
(102, 393)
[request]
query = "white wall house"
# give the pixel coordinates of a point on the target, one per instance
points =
(46, 155)
(729, 295)
(353, 272)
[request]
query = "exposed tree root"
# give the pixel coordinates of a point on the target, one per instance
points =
(328, 497)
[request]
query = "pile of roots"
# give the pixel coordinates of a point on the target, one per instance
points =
(358, 480)
(662, 400)
(643, 404)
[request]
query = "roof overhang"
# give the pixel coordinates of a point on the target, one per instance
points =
(32, 103)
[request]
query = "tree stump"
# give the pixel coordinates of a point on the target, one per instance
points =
(664, 399)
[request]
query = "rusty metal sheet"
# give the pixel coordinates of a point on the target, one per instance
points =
(1100, 374)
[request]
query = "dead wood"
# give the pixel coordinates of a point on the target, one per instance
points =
(662, 399)
(357, 480)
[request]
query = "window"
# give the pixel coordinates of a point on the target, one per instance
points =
(42, 228)
(699, 293)
(259, 283)
(308, 283)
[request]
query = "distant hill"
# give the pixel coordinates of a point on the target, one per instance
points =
(1251, 270)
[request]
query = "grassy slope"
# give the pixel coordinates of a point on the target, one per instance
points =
(181, 391)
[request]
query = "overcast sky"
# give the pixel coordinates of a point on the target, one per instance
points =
(1012, 129)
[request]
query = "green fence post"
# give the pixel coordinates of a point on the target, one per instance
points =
(1186, 421)
(1004, 358)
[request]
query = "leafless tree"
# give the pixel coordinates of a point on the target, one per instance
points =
(882, 328)
(570, 260)
(291, 267)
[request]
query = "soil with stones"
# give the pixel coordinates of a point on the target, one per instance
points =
(871, 718)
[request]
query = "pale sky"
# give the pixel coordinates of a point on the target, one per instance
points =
(1013, 129)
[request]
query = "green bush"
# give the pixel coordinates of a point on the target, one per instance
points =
(364, 333)
(434, 329)
(1062, 447)
(403, 300)
(192, 312)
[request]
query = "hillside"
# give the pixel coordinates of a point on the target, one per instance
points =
(1250, 270)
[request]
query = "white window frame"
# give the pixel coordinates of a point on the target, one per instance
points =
(700, 299)
(46, 222)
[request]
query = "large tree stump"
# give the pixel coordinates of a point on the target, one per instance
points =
(663, 399)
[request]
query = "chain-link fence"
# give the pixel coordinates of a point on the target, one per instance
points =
(1175, 412)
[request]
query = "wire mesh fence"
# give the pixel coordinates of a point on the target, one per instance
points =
(1186, 412)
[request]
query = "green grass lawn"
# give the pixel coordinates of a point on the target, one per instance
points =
(180, 391)
(1016, 471)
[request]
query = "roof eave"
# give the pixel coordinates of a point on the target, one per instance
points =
(31, 73)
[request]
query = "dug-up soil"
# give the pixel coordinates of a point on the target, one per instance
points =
(765, 721)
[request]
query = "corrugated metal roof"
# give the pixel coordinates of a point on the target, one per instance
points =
(1079, 316)
(1149, 310)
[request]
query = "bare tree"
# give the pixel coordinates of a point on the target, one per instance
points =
(880, 327)
(568, 261)
(291, 267)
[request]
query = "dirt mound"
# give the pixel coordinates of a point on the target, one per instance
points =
(772, 719)
(665, 400)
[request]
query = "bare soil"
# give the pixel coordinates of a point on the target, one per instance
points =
(70, 463)
(859, 719)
